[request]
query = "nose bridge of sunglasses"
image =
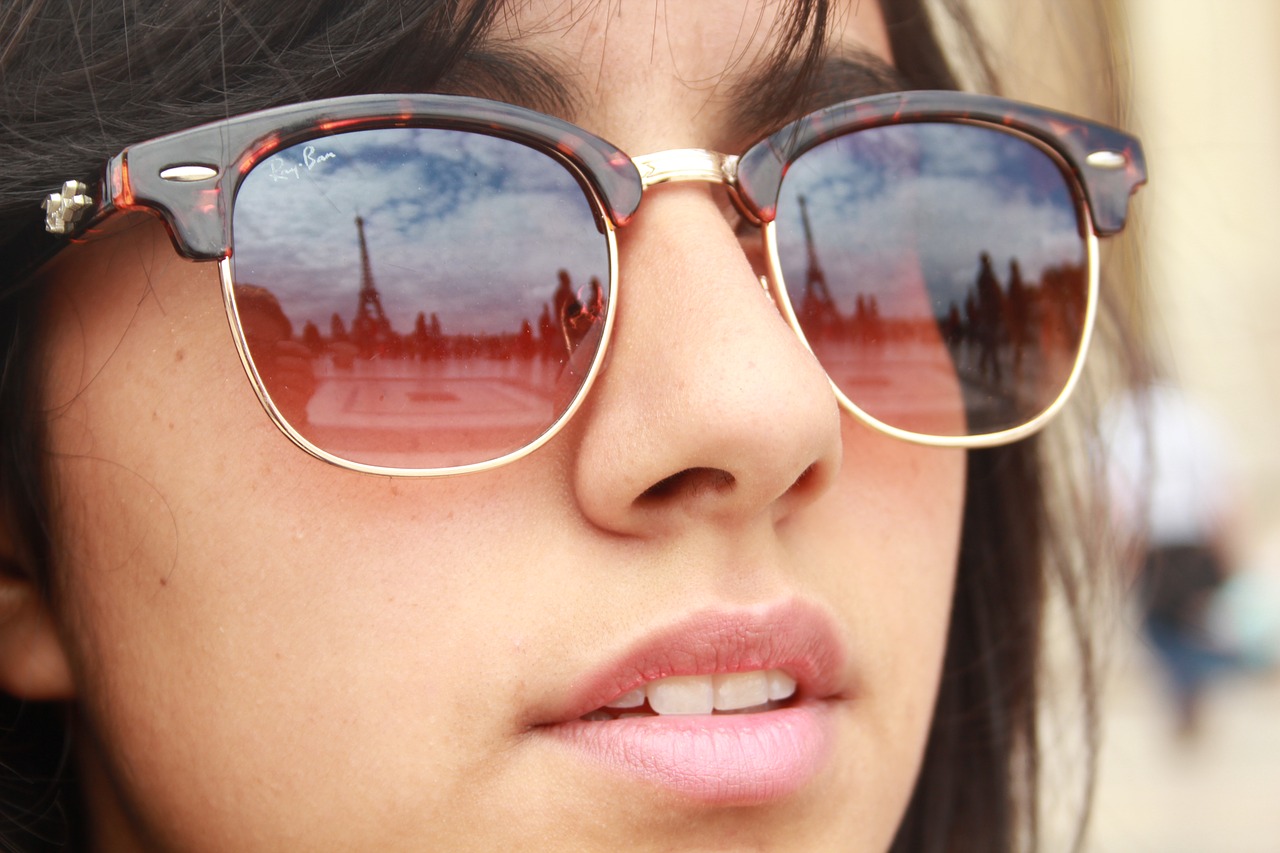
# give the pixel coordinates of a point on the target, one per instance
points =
(680, 165)
(687, 164)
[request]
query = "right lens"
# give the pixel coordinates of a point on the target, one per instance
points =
(939, 272)
(418, 297)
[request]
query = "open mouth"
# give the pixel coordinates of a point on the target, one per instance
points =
(750, 692)
(723, 707)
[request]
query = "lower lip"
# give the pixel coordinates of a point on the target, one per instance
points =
(734, 759)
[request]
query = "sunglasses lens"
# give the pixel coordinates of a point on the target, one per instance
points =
(939, 272)
(418, 297)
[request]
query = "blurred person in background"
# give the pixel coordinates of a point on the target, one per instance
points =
(1172, 495)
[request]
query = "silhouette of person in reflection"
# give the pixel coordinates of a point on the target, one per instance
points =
(420, 338)
(1018, 314)
(577, 326)
(283, 363)
(988, 318)
(953, 330)
(573, 319)
(566, 308)
(548, 340)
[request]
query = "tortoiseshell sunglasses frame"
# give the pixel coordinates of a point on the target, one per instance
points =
(190, 179)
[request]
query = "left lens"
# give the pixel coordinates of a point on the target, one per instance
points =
(939, 272)
(418, 298)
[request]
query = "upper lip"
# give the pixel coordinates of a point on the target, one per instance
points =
(796, 637)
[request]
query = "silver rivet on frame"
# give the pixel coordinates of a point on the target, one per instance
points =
(186, 174)
(1107, 160)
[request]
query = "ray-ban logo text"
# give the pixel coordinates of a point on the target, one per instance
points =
(282, 169)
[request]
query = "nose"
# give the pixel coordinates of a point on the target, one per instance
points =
(709, 408)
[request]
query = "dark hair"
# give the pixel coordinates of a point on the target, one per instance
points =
(83, 79)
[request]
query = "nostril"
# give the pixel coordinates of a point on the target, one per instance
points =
(806, 479)
(814, 480)
(689, 483)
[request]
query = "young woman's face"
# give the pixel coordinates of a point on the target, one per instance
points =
(272, 653)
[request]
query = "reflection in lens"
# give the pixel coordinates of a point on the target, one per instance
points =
(418, 298)
(939, 273)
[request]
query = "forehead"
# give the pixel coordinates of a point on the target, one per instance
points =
(703, 41)
(623, 67)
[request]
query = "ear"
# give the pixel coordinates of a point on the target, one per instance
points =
(33, 663)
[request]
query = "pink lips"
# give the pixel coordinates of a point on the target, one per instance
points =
(722, 759)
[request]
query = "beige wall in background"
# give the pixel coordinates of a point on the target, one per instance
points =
(1207, 101)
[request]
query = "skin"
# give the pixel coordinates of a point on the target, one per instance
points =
(267, 652)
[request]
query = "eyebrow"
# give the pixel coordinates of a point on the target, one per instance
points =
(770, 96)
(514, 75)
(759, 102)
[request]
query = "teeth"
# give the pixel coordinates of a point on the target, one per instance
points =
(681, 694)
(741, 690)
(701, 694)
(781, 685)
(633, 699)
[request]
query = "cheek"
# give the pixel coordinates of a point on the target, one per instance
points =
(893, 522)
(889, 535)
(225, 611)
(299, 651)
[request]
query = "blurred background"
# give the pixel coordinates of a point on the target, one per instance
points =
(1205, 84)
(1200, 83)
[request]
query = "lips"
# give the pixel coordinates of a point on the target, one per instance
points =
(655, 714)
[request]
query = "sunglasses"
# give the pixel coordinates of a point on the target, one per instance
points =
(426, 284)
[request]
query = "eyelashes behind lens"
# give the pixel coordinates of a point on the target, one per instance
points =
(439, 298)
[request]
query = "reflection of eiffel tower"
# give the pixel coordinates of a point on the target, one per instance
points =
(370, 329)
(817, 304)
